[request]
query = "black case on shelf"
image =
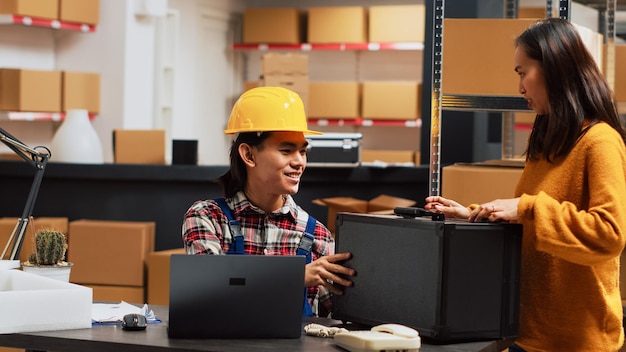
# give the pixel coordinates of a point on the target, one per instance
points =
(451, 281)
(334, 149)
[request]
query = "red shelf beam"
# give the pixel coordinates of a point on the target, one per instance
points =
(35, 116)
(332, 46)
(365, 122)
(46, 23)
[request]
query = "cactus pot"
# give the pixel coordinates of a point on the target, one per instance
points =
(57, 272)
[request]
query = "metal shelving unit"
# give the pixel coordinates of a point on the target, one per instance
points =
(505, 104)
(28, 21)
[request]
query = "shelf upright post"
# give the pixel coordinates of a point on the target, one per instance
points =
(508, 117)
(435, 119)
(548, 8)
(608, 26)
(565, 9)
(510, 8)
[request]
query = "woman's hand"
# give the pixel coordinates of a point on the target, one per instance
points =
(496, 210)
(447, 207)
(325, 271)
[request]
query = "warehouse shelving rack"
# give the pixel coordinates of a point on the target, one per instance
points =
(367, 46)
(508, 105)
(29, 21)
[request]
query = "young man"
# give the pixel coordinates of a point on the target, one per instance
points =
(267, 160)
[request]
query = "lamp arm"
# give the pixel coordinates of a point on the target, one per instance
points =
(39, 161)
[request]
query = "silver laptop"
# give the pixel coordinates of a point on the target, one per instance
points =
(236, 296)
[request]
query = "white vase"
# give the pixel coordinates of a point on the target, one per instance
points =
(76, 141)
(57, 272)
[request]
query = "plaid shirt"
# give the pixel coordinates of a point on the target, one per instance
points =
(206, 231)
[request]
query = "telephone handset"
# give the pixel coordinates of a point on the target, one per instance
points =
(381, 337)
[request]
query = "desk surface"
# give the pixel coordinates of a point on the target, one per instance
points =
(154, 338)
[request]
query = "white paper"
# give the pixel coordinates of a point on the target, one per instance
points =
(113, 313)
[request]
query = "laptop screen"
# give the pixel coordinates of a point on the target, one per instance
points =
(236, 296)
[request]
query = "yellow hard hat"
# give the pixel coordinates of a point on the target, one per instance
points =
(263, 109)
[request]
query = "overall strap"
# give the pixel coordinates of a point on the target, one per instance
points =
(236, 247)
(304, 248)
(306, 242)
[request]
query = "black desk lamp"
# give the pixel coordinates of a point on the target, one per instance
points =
(38, 160)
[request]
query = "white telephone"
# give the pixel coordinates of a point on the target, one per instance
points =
(383, 337)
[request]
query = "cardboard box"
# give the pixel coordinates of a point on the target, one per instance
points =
(620, 73)
(525, 118)
(284, 64)
(397, 23)
(30, 90)
(296, 83)
(531, 12)
(7, 225)
(476, 184)
(247, 85)
(80, 11)
(334, 100)
(110, 252)
(31, 302)
(388, 156)
(81, 91)
(159, 276)
(139, 146)
(272, 25)
(341, 24)
(478, 56)
(394, 100)
(116, 294)
(48, 9)
(382, 204)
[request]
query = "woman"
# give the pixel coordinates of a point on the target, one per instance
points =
(571, 197)
(267, 160)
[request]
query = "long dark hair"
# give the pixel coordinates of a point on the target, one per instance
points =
(576, 88)
(234, 180)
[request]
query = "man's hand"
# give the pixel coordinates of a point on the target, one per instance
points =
(325, 271)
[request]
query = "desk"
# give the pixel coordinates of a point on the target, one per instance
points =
(154, 338)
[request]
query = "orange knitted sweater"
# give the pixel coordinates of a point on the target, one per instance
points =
(574, 217)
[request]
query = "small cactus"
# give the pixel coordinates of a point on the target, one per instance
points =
(50, 247)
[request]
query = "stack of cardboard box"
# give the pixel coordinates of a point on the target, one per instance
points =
(288, 70)
(48, 90)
